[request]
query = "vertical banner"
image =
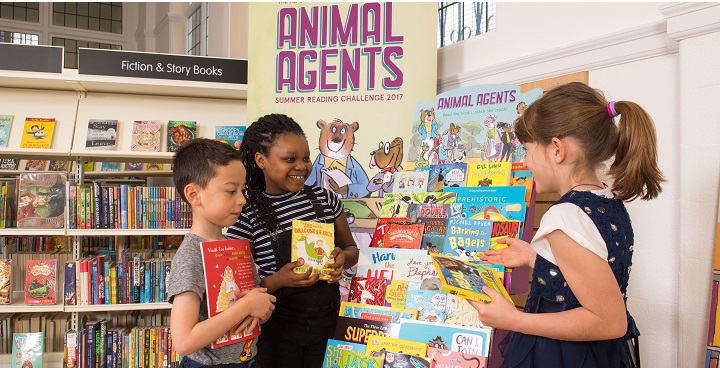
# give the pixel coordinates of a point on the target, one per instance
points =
(350, 74)
(712, 354)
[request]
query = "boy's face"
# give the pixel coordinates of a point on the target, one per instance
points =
(222, 200)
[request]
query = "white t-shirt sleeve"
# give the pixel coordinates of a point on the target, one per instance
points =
(571, 220)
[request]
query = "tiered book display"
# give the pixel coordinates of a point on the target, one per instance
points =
(119, 226)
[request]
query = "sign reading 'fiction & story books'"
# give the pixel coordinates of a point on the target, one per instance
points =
(161, 66)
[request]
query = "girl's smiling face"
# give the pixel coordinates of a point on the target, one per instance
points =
(287, 165)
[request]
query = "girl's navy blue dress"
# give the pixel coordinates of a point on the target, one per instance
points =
(550, 293)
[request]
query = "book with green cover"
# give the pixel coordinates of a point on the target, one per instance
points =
(27, 350)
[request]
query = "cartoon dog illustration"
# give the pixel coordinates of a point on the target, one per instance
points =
(336, 143)
(388, 158)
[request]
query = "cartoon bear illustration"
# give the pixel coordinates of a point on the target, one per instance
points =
(335, 163)
(388, 158)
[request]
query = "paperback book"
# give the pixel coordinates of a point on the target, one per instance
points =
(5, 281)
(410, 181)
(339, 353)
(358, 330)
(38, 133)
(101, 135)
(5, 125)
(228, 266)
(9, 164)
(467, 238)
(454, 359)
(442, 176)
(180, 132)
(110, 166)
(375, 312)
(380, 228)
(40, 281)
(405, 236)
(380, 262)
(485, 174)
(466, 279)
(313, 242)
(41, 200)
(430, 304)
(27, 350)
(230, 134)
(379, 346)
(146, 136)
(396, 204)
(367, 290)
(402, 360)
(35, 165)
(472, 341)
(59, 165)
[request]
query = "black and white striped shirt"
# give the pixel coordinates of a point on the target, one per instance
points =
(287, 207)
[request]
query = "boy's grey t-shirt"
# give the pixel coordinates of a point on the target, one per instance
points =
(186, 274)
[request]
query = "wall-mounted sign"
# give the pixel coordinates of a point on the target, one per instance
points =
(31, 58)
(161, 66)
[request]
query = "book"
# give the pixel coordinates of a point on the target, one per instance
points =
(410, 181)
(454, 359)
(380, 262)
(430, 304)
(230, 134)
(109, 166)
(59, 165)
(38, 133)
(508, 218)
(313, 242)
(228, 266)
(337, 353)
(405, 236)
(396, 293)
(416, 267)
(396, 204)
(381, 227)
(40, 281)
(146, 136)
(495, 194)
(35, 165)
(133, 166)
(401, 360)
(467, 238)
(27, 350)
(379, 345)
(375, 312)
(9, 164)
(367, 290)
(485, 174)
(466, 279)
(357, 329)
(5, 281)
(41, 200)
(101, 135)
(70, 286)
(473, 341)
(459, 312)
(152, 166)
(520, 175)
(442, 176)
(439, 211)
(5, 125)
(434, 230)
(178, 133)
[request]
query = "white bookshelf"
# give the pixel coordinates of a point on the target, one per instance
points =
(116, 307)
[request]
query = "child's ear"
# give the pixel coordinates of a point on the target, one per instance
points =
(260, 160)
(192, 194)
(558, 150)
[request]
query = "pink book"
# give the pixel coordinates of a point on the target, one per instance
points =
(146, 136)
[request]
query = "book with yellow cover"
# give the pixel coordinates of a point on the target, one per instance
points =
(466, 279)
(313, 242)
(486, 174)
(378, 345)
(38, 133)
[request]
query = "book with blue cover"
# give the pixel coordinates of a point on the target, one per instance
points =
(467, 238)
(495, 194)
(475, 341)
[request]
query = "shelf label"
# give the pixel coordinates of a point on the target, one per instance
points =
(31, 58)
(161, 66)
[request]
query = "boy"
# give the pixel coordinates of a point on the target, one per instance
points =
(210, 177)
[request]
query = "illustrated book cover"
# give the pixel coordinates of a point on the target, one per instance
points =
(396, 204)
(467, 238)
(5, 125)
(9, 164)
(434, 232)
(357, 330)
(508, 218)
(41, 200)
(521, 176)
(415, 267)
(380, 262)
(496, 194)
(110, 166)
(27, 350)
(228, 266)
(460, 312)
(133, 166)
(404, 236)
(230, 134)
(340, 353)
(442, 176)
(378, 346)
(466, 279)
(473, 341)
(40, 281)
(430, 304)
(486, 174)
(443, 211)
(375, 312)
(5, 281)
(402, 360)
(367, 290)
(380, 228)
(38, 133)
(34, 165)
(313, 242)
(454, 359)
(59, 165)
(180, 132)
(410, 181)
(101, 135)
(146, 136)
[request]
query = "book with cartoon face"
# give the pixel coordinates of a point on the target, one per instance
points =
(38, 133)
(313, 242)
(40, 281)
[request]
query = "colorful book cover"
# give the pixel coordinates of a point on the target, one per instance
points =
(454, 359)
(89, 166)
(381, 227)
(5, 125)
(38, 133)
(133, 166)
(5, 281)
(508, 218)
(313, 242)
(401, 360)
(179, 133)
(396, 204)
(502, 194)
(336, 353)
(367, 290)
(487, 174)
(357, 330)
(396, 293)
(404, 236)
(232, 134)
(467, 238)
(59, 165)
(442, 176)
(9, 164)
(101, 135)
(430, 304)
(152, 166)
(380, 262)
(342, 358)
(146, 136)
(433, 238)
(466, 279)
(521, 176)
(70, 287)
(40, 281)
(473, 341)
(35, 165)
(27, 350)
(109, 166)
(41, 200)
(415, 267)
(378, 346)
(444, 211)
(410, 182)
(228, 266)
(375, 312)
(459, 312)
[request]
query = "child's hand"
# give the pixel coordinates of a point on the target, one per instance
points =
(500, 313)
(248, 324)
(258, 301)
(339, 261)
(287, 276)
(517, 254)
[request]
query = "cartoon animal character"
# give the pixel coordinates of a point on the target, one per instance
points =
(453, 141)
(388, 158)
(56, 199)
(429, 126)
(485, 182)
(490, 147)
(462, 252)
(462, 155)
(378, 354)
(336, 143)
(437, 343)
(246, 351)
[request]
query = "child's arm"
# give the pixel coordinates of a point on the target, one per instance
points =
(190, 336)
(601, 316)
(517, 254)
(346, 252)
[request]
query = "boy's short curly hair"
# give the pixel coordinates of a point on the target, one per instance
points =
(197, 161)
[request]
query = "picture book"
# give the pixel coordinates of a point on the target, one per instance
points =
(101, 135)
(459, 312)
(152, 166)
(378, 346)
(59, 165)
(5, 125)
(38, 133)
(312, 242)
(396, 293)
(410, 181)
(520, 176)
(508, 218)
(110, 166)
(430, 304)
(362, 213)
(178, 133)
(401, 360)
(133, 166)
(485, 174)
(336, 353)
(405, 236)
(367, 290)
(40, 281)
(89, 166)
(9, 164)
(27, 350)
(375, 312)
(5, 281)
(473, 341)
(442, 176)
(415, 267)
(357, 330)
(381, 227)
(466, 279)
(228, 266)
(467, 238)
(380, 262)
(434, 231)
(232, 134)
(443, 211)
(495, 194)
(454, 359)
(41, 200)
(35, 165)
(396, 204)
(146, 136)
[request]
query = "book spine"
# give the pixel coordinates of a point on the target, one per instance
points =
(100, 279)
(123, 207)
(111, 208)
(69, 285)
(89, 345)
(104, 202)
(136, 279)
(97, 205)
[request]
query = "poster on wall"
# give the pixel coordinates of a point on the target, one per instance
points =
(350, 74)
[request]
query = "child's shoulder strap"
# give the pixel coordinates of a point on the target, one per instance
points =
(318, 205)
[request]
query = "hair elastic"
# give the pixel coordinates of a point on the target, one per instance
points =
(611, 109)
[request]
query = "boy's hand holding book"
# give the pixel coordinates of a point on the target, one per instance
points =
(261, 307)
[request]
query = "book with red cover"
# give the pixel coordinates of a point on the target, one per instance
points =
(367, 290)
(406, 236)
(228, 266)
(381, 227)
(40, 281)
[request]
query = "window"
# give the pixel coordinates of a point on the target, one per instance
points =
(26, 12)
(17, 37)
(72, 46)
(103, 17)
(198, 21)
(459, 21)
